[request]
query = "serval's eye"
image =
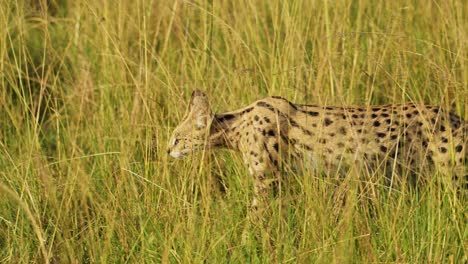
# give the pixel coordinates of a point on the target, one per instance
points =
(176, 141)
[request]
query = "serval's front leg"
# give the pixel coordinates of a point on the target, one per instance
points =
(263, 166)
(261, 191)
(264, 175)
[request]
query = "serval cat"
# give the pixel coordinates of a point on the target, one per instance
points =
(272, 130)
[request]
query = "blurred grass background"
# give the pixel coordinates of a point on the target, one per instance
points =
(90, 91)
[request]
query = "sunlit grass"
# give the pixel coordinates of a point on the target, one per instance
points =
(90, 91)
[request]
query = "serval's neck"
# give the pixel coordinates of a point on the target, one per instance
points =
(222, 131)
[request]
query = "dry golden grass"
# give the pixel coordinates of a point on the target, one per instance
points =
(90, 90)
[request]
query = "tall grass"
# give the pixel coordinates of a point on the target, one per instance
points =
(90, 90)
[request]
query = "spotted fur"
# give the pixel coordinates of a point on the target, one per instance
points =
(272, 130)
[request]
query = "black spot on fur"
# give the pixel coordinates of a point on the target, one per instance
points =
(409, 115)
(385, 115)
(271, 133)
(343, 130)
(381, 135)
(455, 121)
(424, 143)
(442, 128)
(443, 149)
(292, 105)
(227, 117)
(444, 139)
(311, 113)
(307, 132)
(266, 105)
(376, 123)
(247, 110)
(383, 149)
(340, 144)
(306, 147)
(275, 146)
(455, 124)
(393, 137)
(275, 162)
(293, 123)
(458, 148)
(256, 118)
(350, 150)
(328, 122)
(375, 109)
(374, 115)
(267, 120)
(323, 141)
(354, 116)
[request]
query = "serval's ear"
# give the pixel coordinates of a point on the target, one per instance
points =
(199, 109)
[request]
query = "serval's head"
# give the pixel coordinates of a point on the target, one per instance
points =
(191, 134)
